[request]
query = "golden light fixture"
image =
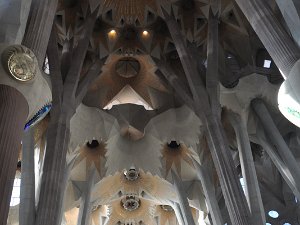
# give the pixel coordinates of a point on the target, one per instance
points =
(112, 33)
(145, 33)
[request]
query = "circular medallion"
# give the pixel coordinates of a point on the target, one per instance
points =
(20, 62)
(131, 174)
(130, 203)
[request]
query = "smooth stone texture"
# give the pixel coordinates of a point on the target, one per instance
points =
(183, 201)
(288, 160)
(253, 194)
(209, 192)
(13, 20)
(27, 195)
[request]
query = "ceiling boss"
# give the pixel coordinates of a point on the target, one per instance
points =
(20, 63)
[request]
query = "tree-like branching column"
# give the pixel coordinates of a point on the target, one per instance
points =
(67, 95)
(201, 102)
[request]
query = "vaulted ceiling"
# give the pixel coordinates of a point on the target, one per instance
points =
(138, 119)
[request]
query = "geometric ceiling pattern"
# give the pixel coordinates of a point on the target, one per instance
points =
(131, 118)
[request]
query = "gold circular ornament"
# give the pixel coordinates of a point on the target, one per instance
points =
(20, 62)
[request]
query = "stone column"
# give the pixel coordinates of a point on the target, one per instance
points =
(233, 194)
(212, 74)
(85, 205)
(13, 19)
(280, 165)
(13, 114)
(39, 27)
(277, 141)
(290, 10)
(232, 191)
(64, 184)
(183, 201)
(248, 170)
(178, 213)
(58, 136)
(52, 189)
(276, 40)
(209, 192)
(27, 195)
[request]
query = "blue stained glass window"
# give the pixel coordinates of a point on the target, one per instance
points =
(274, 214)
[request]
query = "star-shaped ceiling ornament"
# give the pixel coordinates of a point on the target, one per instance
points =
(132, 210)
(191, 17)
(110, 187)
(173, 154)
(70, 18)
(142, 182)
(234, 29)
(94, 154)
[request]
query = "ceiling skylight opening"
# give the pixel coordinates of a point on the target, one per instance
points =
(15, 196)
(268, 224)
(242, 181)
(287, 224)
(116, 102)
(273, 214)
(267, 64)
(128, 96)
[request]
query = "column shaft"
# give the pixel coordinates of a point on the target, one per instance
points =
(13, 19)
(85, 205)
(281, 167)
(290, 11)
(277, 141)
(13, 114)
(253, 194)
(39, 27)
(209, 192)
(233, 194)
(276, 40)
(27, 195)
(64, 184)
(183, 201)
(178, 213)
(52, 184)
(212, 78)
